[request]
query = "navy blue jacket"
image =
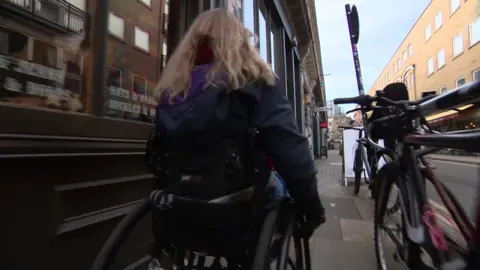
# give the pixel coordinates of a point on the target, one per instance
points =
(208, 109)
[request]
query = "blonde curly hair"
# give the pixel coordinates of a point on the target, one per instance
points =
(236, 57)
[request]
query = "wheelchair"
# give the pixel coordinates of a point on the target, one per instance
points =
(255, 228)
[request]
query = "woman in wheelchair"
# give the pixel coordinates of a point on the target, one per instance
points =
(220, 113)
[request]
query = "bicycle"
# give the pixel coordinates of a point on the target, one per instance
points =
(420, 234)
(361, 161)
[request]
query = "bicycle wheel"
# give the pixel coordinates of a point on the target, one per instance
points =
(391, 242)
(357, 169)
(394, 201)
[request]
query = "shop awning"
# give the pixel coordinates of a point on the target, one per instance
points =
(447, 114)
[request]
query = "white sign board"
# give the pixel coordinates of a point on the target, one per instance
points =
(350, 137)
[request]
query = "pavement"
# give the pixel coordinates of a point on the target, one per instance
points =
(345, 241)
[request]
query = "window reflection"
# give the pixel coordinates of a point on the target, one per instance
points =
(248, 18)
(263, 36)
(47, 76)
(272, 49)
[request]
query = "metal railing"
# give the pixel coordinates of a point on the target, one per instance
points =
(59, 12)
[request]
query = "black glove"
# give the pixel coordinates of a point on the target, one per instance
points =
(313, 215)
(308, 205)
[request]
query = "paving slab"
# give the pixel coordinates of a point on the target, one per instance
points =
(341, 255)
(355, 230)
(345, 241)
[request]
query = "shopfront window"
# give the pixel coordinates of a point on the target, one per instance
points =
(263, 36)
(36, 73)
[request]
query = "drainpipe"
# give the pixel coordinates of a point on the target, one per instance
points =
(414, 82)
(99, 56)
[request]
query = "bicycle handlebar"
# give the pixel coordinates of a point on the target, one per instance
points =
(366, 100)
(466, 94)
(347, 127)
(361, 100)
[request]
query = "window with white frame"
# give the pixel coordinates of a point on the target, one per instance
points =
(443, 90)
(142, 39)
(476, 75)
(164, 54)
(428, 32)
(430, 66)
(116, 25)
(398, 63)
(454, 6)
(146, 2)
(457, 45)
(438, 20)
(410, 50)
(386, 78)
(475, 31)
(114, 76)
(394, 68)
(460, 82)
(404, 57)
(440, 58)
(139, 85)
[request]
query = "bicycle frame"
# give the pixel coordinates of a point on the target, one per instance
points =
(363, 144)
(420, 212)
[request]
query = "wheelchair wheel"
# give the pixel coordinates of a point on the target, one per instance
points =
(275, 248)
(358, 169)
(119, 235)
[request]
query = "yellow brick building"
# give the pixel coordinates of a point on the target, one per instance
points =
(441, 52)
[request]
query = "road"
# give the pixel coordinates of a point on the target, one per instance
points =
(461, 178)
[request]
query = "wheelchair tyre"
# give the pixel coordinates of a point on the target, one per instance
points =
(119, 235)
(262, 257)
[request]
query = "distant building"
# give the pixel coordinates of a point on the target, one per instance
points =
(334, 110)
(336, 133)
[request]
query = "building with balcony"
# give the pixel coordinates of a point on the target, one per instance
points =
(37, 56)
(76, 107)
(136, 43)
(441, 52)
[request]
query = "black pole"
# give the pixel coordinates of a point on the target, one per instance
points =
(356, 60)
(99, 55)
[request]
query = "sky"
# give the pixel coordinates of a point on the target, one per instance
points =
(383, 26)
